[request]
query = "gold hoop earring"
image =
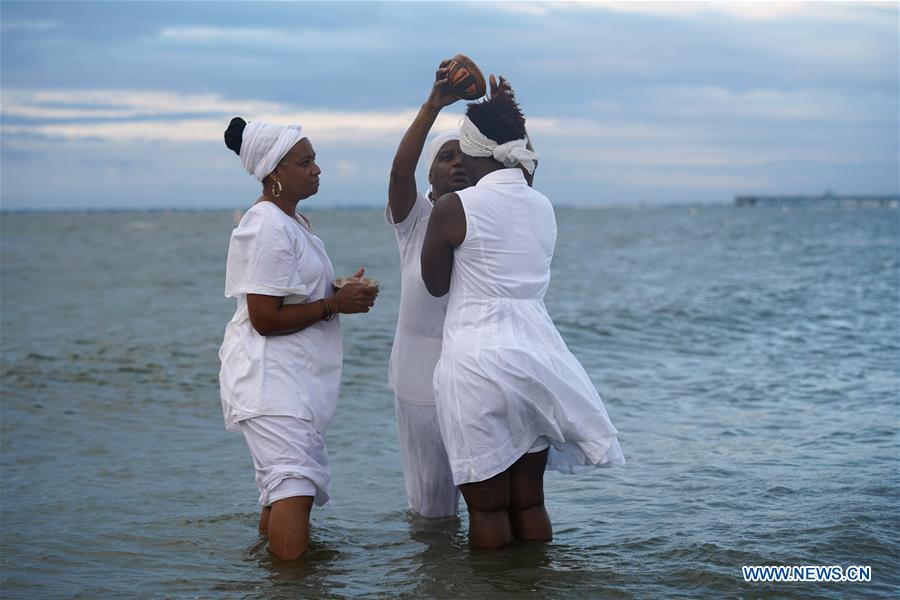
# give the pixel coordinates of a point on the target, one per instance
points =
(276, 189)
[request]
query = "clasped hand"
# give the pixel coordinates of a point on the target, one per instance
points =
(356, 297)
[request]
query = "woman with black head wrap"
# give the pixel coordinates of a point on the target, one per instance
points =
(282, 354)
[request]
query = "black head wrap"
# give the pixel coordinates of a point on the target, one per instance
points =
(235, 134)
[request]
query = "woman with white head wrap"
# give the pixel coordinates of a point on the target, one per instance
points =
(511, 399)
(430, 490)
(282, 356)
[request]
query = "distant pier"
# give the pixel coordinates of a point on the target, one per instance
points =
(826, 199)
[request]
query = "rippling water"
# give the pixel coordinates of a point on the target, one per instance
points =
(750, 359)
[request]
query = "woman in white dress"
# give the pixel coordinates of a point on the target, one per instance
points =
(430, 490)
(511, 398)
(282, 355)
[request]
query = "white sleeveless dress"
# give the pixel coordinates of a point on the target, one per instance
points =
(506, 382)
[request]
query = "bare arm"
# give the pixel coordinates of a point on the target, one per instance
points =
(270, 316)
(446, 231)
(402, 185)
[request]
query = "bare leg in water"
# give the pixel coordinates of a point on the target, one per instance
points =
(509, 505)
(488, 503)
(527, 516)
(286, 522)
(264, 520)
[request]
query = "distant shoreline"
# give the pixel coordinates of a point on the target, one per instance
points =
(182, 209)
(25, 211)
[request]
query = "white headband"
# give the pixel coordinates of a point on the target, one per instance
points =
(474, 143)
(263, 146)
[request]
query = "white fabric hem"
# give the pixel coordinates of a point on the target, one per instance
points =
(268, 290)
(418, 401)
(233, 423)
(464, 471)
(427, 477)
(291, 485)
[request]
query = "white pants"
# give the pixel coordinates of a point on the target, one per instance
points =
(289, 456)
(426, 469)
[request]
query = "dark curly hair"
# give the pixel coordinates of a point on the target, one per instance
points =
(498, 117)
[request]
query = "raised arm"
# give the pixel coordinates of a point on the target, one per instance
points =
(402, 186)
(446, 231)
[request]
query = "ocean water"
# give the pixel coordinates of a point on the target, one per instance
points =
(749, 357)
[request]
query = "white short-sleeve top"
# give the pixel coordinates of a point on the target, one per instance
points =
(420, 324)
(298, 374)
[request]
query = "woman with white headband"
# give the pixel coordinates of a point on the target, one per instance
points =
(282, 355)
(511, 399)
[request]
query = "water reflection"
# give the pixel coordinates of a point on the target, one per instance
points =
(309, 577)
(445, 566)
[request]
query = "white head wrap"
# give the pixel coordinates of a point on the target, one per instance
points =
(263, 146)
(437, 142)
(435, 146)
(474, 143)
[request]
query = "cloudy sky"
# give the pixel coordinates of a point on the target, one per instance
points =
(123, 104)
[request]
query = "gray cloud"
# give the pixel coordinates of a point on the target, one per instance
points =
(647, 102)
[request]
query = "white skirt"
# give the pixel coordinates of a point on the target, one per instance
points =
(506, 391)
(289, 457)
(426, 469)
